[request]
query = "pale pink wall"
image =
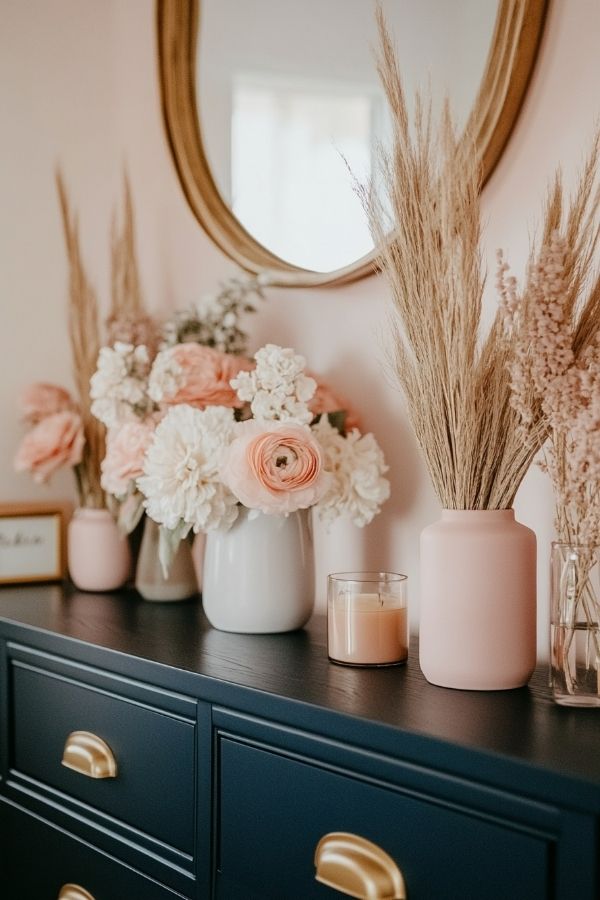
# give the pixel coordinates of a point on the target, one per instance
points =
(78, 83)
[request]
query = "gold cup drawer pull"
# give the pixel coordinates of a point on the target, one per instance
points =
(74, 892)
(89, 755)
(358, 868)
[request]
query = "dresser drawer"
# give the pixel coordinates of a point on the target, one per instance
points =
(37, 860)
(273, 809)
(154, 787)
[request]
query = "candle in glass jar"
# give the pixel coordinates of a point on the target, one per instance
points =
(367, 628)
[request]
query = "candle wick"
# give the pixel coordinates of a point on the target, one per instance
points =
(380, 598)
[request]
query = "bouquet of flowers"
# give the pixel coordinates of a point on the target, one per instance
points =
(63, 431)
(138, 378)
(557, 370)
(235, 433)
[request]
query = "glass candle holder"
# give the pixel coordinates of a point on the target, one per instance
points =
(367, 618)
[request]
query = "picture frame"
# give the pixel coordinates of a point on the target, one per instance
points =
(32, 542)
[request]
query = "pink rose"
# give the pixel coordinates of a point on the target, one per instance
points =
(40, 400)
(124, 460)
(325, 400)
(207, 374)
(57, 440)
(276, 468)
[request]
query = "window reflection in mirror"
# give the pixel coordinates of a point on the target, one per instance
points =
(290, 105)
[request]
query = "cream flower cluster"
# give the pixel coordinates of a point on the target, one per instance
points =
(118, 386)
(181, 480)
(356, 465)
(166, 377)
(277, 389)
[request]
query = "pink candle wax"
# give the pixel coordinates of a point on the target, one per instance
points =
(365, 629)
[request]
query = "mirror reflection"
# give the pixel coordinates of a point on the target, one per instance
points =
(289, 102)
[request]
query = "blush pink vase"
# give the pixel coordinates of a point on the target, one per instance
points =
(478, 601)
(98, 554)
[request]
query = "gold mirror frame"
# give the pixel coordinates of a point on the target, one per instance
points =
(514, 47)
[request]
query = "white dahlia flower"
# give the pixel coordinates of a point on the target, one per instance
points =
(181, 480)
(356, 465)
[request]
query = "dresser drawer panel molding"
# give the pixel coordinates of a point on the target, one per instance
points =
(420, 782)
(274, 810)
(154, 752)
(40, 860)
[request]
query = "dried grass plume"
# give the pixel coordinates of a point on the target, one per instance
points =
(84, 334)
(128, 320)
(426, 224)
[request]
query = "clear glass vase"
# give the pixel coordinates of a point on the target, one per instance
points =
(181, 582)
(574, 625)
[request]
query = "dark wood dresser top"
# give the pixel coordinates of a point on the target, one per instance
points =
(519, 733)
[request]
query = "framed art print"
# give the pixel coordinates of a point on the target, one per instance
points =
(32, 546)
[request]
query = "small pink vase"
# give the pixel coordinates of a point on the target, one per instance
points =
(98, 554)
(478, 601)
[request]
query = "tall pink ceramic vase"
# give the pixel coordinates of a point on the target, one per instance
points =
(98, 554)
(478, 601)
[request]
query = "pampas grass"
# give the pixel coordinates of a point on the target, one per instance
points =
(128, 320)
(84, 334)
(427, 229)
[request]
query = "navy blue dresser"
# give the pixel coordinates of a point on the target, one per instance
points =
(145, 755)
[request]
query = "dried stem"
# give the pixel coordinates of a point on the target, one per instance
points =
(85, 344)
(128, 320)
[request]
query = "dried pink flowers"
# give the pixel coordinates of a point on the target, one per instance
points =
(548, 376)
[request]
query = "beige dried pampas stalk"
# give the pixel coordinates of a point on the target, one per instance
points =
(128, 320)
(427, 228)
(84, 333)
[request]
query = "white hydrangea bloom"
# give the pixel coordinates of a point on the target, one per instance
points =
(181, 470)
(118, 387)
(277, 389)
(166, 376)
(356, 464)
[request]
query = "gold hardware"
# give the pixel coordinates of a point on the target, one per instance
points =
(74, 892)
(358, 868)
(89, 755)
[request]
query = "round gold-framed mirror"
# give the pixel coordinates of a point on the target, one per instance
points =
(515, 39)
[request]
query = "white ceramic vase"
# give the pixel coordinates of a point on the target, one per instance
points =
(98, 554)
(478, 601)
(259, 577)
(181, 582)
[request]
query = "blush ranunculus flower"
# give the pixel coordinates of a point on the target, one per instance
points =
(276, 468)
(57, 440)
(197, 375)
(124, 460)
(40, 399)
